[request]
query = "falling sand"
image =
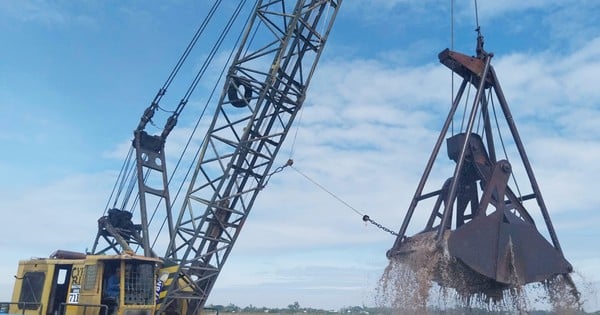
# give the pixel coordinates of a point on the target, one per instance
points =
(425, 279)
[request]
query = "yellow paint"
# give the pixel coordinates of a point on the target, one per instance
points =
(48, 285)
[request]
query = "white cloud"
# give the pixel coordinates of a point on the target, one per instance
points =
(33, 11)
(60, 214)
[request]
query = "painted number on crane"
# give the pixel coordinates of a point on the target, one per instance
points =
(74, 294)
(76, 279)
(77, 275)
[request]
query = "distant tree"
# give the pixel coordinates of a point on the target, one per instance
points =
(250, 309)
(217, 307)
(232, 308)
(294, 307)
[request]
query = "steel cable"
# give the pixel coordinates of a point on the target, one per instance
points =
(364, 217)
(193, 133)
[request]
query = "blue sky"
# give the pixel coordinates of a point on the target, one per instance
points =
(76, 76)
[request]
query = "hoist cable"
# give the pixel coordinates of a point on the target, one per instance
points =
(208, 101)
(295, 137)
(123, 188)
(452, 48)
(127, 181)
(464, 116)
(172, 120)
(147, 117)
(299, 121)
(117, 187)
(131, 188)
(212, 54)
(488, 102)
(191, 137)
(127, 185)
(476, 14)
(181, 156)
(451, 24)
(167, 83)
(480, 129)
(504, 148)
(256, 28)
(364, 217)
(192, 43)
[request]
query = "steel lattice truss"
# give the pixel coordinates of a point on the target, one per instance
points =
(265, 88)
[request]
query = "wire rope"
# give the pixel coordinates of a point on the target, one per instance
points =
(161, 92)
(167, 83)
(117, 187)
(192, 43)
(452, 48)
(327, 191)
(476, 15)
(365, 217)
(462, 123)
(212, 53)
(480, 129)
(127, 185)
(295, 137)
(504, 148)
(193, 133)
(127, 179)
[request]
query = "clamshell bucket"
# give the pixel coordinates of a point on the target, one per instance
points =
(480, 236)
(505, 248)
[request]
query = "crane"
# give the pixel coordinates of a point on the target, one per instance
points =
(263, 90)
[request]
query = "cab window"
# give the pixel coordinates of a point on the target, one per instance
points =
(31, 290)
(139, 283)
(91, 273)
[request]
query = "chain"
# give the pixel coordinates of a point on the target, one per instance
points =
(367, 219)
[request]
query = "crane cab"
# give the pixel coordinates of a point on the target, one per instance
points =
(78, 284)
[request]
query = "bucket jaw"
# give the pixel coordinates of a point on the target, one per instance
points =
(494, 244)
(506, 249)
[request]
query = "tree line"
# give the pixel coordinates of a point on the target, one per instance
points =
(295, 308)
